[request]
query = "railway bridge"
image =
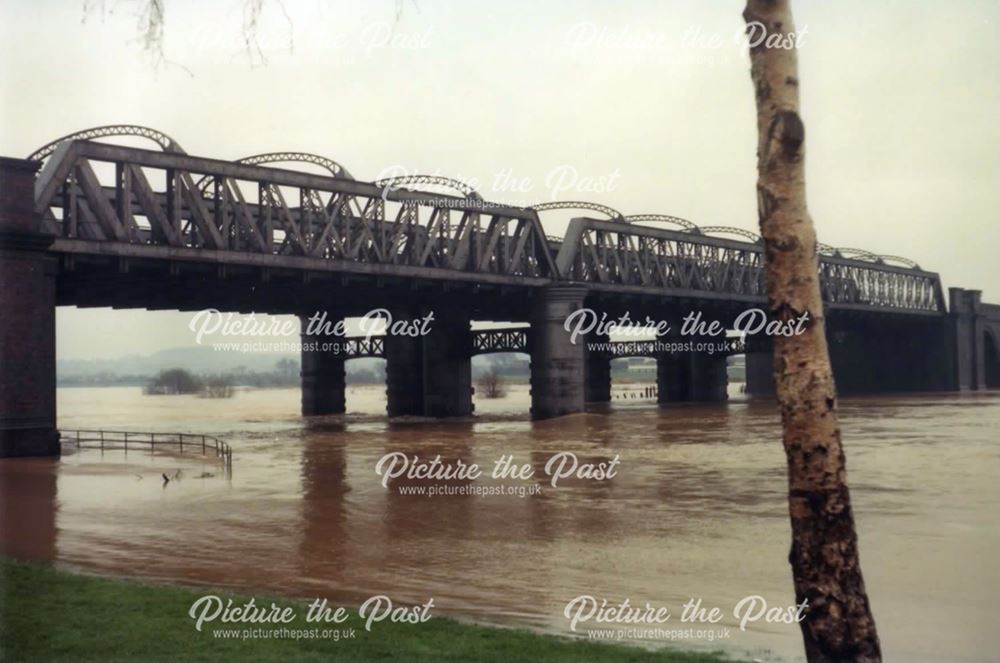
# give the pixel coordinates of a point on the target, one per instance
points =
(90, 223)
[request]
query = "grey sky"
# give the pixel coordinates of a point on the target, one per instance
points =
(900, 101)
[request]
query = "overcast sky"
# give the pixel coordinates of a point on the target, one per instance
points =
(645, 106)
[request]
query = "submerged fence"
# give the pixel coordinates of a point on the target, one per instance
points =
(104, 440)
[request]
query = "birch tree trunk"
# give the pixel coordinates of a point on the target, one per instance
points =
(838, 625)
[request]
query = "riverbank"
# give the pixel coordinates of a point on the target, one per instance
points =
(52, 615)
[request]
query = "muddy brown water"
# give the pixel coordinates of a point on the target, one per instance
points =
(697, 510)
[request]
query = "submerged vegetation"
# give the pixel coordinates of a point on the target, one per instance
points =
(173, 381)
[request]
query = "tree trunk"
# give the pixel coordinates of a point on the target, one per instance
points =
(838, 624)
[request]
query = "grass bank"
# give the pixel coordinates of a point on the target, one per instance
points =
(51, 615)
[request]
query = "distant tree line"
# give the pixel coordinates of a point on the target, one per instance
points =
(218, 384)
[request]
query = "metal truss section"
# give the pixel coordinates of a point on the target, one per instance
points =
(858, 254)
(331, 166)
(609, 212)
(686, 264)
(485, 341)
(728, 230)
(363, 346)
(166, 143)
(153, 200)
(334, 168)
(662, 218)
(899, 260)
(111, 200)
(608, 253)
(408, 181)
(871, 285)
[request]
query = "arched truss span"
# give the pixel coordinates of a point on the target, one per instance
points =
(335, 168)
(859, 254)
(901, 261)
(610, 212)
(825, 249)
(661, 218)
(726, 230)
(166, 143)
(404, 181)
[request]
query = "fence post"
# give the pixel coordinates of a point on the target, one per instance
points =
(202, 445)
(102, 441)
(126, 443)
(181, 438)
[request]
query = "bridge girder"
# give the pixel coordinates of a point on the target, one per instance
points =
(253, 213)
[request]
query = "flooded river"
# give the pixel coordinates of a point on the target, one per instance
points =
(697, 510)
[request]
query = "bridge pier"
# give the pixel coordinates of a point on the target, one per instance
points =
(691, 377)
(404, 373)
(968, 337)
(557, 364)
(28, 315)
(323, 374)
(669, 379)
(447, 366)
(760, 374)
(597, 371)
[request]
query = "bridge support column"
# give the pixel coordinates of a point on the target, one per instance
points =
(709, 380)
(404, 371)
(557, 364)
(967, 339)
(27, 320)
(692, 377)
(760, 374)
(323, 374)
(670, 378)
(447, 366)
(597, 369)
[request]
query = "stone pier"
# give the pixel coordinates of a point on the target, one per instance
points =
(447, 366)
(597, 371)
(323, 372)
(760, 374)
(968, 338)
(404, 375)
(691, 377)
(27, 319)
(557, 365)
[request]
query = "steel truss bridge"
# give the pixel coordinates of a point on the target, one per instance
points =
(163, 204)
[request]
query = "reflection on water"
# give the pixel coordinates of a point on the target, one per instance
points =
(697, 509)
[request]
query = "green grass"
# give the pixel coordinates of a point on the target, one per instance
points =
(51, 615)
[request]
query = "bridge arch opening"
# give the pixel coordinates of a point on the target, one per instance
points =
(991, 350)
(364, 385)
(500, 382)
(633, 379)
